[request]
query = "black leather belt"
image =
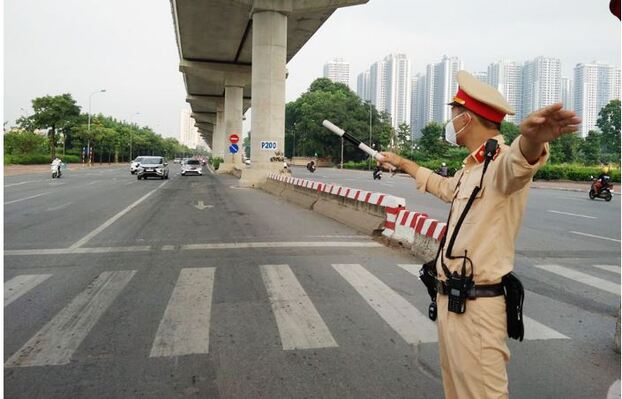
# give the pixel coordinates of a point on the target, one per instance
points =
(478, 291)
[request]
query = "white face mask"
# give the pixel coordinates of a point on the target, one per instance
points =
(450, 131)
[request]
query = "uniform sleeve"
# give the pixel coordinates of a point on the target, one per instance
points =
(514, 172)
(437, 185)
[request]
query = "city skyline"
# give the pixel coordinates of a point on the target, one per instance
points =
(527, 85)
(148, 80)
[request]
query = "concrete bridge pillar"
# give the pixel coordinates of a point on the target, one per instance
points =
(233, 125)
(268, 88)
(219, 134)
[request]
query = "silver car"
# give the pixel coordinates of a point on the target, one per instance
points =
(191, 167)
(153, 167)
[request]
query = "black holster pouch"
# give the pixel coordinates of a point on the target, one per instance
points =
(514, 297)
(427, 275)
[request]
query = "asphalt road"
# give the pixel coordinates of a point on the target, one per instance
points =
(194, 287)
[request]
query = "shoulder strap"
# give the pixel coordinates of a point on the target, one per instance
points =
(490, 151)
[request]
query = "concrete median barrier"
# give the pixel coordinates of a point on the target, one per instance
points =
(367, 212)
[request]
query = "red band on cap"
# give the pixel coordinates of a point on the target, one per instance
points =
(478, 107)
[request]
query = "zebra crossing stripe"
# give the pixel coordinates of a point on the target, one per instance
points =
(56, 342)
(582, 278)
(19, 285)
(184, 329)
(609, 268)
(299, 323)
(533, 329)
(403, 317)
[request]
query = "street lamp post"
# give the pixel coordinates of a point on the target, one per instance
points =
(88, 146)
(370, 109)
(131, 133)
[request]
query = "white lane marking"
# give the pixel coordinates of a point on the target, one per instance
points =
(27, 198)
(239, 188)
(533, 329)
(411, 268)
(299, 323)
(70, 251)
(609, 268)
(52, 183)
(582, 278)
(614, 391)
(594, 236)
(93, 182)
(339, 236)
(214, 246)
(128, 183)
(113, 219)
(200, 205)
(20, 183)
(56, 208)
(286, 244)
(56, 342)
(168, 248)
(184, 329)
(404, 318)
(19, 285)
(571, 214)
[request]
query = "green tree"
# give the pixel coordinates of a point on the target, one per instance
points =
(609, 124)
(509, 131)
(565, 149)
(23, 142)
(404, 138)
(336, 102)
(52, 113)
(432, 142)
(590, 148)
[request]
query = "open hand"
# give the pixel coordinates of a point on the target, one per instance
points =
(548, 123)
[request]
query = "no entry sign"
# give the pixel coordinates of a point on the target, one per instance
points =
(234, 138)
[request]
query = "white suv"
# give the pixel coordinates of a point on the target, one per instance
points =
(135, 164)
(153, 167)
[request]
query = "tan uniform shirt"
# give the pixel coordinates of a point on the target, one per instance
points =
(491, 226)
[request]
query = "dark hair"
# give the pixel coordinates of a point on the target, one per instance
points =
(487, 123)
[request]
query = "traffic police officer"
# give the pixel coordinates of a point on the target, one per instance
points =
(472, 345)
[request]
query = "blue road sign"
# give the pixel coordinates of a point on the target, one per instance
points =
(233, 148)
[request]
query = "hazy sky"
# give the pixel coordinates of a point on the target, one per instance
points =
(128, 46)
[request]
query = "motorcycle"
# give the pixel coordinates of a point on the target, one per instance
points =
(377, 174)
(56, 171)
(311, 167)
(601, 189)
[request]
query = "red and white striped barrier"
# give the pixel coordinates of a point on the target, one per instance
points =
(410, 223)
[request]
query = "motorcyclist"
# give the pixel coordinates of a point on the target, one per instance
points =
(377, 172)
(311, 166)
(443, 170)
(57, 163)
(602, 180)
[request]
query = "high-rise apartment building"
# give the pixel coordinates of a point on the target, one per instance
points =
(445, 86)
(542, 82)
(338, 70)
(507, 78)
(363, 87)
(567, 93)
(379, 85)
(481, 76)
(188, 133)
(398, 96)
(595, 85)
(417, 108)
(387, 85)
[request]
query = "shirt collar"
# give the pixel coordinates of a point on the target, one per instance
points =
(477, 156)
